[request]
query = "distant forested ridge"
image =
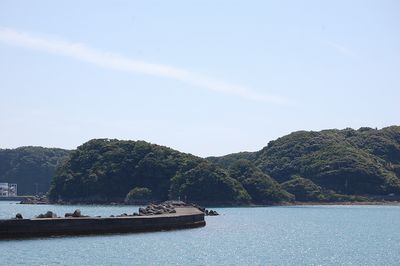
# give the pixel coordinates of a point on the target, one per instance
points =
(32, 168)
(330, 162)
(307, 166)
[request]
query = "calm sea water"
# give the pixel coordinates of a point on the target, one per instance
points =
(311, 235)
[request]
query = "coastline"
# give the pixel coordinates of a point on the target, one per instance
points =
(294, 204)
(228, 205)
(343, 203)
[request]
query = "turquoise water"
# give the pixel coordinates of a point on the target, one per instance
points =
(307, 235)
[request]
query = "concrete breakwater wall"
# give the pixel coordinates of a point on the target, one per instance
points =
(185, 217)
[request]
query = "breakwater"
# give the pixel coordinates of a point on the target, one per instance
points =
(184, 217)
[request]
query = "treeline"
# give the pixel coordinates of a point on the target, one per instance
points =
(32, 168)
(329, 165)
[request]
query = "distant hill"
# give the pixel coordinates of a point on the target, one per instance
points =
(324, 166)
(104, 170)
(32, 168)
(351, 162)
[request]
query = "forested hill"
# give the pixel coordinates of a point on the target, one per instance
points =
(32, 168)
(329, 165)
(104, 170)
(354, 162)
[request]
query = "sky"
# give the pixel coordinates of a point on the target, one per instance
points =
(204, 77)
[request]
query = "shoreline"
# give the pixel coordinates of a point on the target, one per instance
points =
(294, 204)
(344, 203)
(231, 205)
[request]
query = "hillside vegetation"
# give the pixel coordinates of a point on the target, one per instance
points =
(329, 165)
(32, 168)
(350, 162)
(104, 170)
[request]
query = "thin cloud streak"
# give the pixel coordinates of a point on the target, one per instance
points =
(113, 61)
(340, 48)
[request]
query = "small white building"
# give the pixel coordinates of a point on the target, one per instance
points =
(8, 190)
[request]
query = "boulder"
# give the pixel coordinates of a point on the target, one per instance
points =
(158, 209)
(211, 213)
(48, 214)
(142, 211)
(77, 213)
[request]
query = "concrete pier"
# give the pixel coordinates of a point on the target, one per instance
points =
(185, 217)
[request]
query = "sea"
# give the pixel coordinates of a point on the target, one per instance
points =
(290, 235)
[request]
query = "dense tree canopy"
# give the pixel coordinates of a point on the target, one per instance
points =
(104, 170)
(208, 183)
(356, 162)
(304, 189)
(329, 165)
(229, 159)
(31, 168)
(261, 187)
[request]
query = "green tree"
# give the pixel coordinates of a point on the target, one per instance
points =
(138, 194)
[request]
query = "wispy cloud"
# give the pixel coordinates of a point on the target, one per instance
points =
(114, 61)
(340, 48)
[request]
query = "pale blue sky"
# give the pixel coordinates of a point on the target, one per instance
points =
(205, 77)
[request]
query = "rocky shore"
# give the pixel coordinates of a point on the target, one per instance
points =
(35, 200)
